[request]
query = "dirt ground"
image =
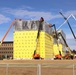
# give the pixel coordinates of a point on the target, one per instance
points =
(37, 67)
(38, 61)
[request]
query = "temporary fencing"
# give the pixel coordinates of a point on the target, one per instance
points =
(37, 69)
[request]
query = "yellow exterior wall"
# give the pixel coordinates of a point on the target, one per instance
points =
(56, 49)
(25, 44)
(48, 46)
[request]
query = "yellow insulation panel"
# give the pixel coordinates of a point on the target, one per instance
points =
(48, 46)
(25, 44)
(57, 48)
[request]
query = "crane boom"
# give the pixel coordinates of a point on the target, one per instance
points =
(68, 25)
(65, 42)
(7, 31)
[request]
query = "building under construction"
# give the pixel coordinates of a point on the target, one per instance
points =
(36, 39)
(25, 36)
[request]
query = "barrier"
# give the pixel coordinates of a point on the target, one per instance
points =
(37, 69)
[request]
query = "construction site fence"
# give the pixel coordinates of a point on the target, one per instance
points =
(37, 69)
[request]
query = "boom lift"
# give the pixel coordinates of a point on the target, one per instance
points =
(35, 54)
(55, 32)
(55, 35)
(70, 55)
(59, 56)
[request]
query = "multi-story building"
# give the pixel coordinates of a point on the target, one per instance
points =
(25, 43)
(6, 49)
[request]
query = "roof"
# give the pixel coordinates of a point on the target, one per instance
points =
(8, 42)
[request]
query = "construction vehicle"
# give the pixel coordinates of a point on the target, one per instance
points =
(55, 35)
(37, 55)
(59, 56)
(70, 54)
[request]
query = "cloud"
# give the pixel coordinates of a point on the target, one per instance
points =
(26, 7)
(71, 12)
(4, 19)
(25, 13)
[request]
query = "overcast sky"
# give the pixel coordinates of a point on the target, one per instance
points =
(34, 9)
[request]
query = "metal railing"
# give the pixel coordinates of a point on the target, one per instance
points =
(37, 69)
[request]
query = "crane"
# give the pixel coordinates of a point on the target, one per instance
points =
(67, 56)
(56, 34)
(7, 31)
(68, 25)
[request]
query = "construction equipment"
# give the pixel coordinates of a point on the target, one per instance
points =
(55, 32)
(70, 55)
(6, 56)
(68, 25)
(7, 31)
(59, 56)
(37, 55)
(55, 35)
